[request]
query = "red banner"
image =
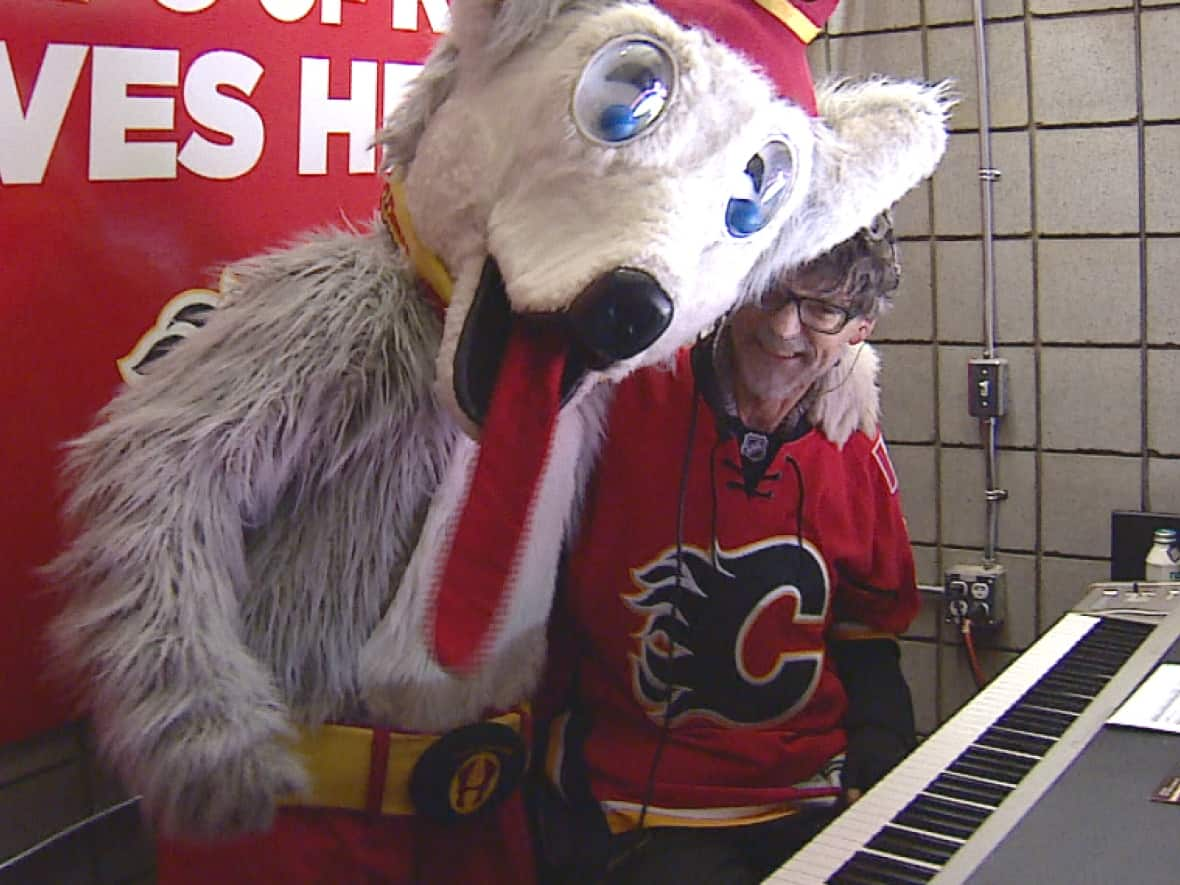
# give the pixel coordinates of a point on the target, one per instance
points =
(143, 144)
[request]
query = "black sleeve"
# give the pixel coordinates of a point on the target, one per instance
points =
(880, 718)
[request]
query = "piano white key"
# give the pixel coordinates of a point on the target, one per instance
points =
(915, 831)
(834, 852)
(848, 840)
(799, 874)
(912, 861)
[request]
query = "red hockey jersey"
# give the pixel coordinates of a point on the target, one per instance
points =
(713, 613)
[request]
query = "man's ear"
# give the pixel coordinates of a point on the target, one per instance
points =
(864, 328)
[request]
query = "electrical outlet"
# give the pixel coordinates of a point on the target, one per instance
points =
(975, 593)
(987, 388)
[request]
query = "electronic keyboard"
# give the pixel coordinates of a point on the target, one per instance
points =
(947, 805)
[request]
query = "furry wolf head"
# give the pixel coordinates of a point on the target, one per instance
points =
(622, 173)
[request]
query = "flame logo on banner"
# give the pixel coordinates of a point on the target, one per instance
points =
(180, 317)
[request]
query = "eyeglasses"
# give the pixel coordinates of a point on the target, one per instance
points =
(814, 313)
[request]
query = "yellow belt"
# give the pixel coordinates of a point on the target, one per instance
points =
(367, 769)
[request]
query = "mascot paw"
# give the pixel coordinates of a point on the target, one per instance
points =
(232, 795)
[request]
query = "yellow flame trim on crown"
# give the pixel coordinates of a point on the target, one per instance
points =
(788, 13)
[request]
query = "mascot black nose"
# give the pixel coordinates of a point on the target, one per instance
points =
(619, 315)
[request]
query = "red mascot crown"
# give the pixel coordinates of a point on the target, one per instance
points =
(773, 34)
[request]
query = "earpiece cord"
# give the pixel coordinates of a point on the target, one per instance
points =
(713, 501)
(859, 350)
(798, 515)
(682, 497)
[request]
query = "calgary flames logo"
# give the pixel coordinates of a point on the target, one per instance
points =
(738, 643)
(179, 318)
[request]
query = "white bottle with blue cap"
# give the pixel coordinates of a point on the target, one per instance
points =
(1163, 559)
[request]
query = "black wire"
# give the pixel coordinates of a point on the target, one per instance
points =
(798, 514)
(713, 500)
(682, 497)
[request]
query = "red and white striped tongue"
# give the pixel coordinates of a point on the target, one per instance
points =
(494, 525)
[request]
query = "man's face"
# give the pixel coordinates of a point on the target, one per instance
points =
(775, 356)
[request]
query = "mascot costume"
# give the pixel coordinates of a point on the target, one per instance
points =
(314, 550)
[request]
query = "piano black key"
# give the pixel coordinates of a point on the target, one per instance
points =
(906, 844)
(1037, 721)
(1070, 703)
(880, 871)
(1109, 644)
(998, 762)
(844, 876)
(934, 824)
(968, 789)
(1017, 742)
(1107, 660)
(1072, 683)
(1065, 683)
(847, 877)
(1117, 646)
(1082, 669)
(1108, 627)
(942, 816)
(1116, 634)
(979, 769)
(1083, 664)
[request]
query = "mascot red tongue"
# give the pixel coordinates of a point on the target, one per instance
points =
(493, 529)
(492, 534)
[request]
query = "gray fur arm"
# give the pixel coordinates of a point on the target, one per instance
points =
(252, 412)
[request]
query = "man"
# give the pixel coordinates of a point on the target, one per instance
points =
(730, 605)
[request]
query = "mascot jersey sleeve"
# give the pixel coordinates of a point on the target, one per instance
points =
(709, 619)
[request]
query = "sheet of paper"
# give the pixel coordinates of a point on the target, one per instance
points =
(1155, 704)
(1168, 791)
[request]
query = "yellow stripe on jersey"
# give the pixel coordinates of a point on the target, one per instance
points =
(555, 751)
(850, 630)
(624, 816)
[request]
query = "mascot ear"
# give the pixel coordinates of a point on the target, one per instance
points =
(516, 22)
(875, 140)
(471, 22)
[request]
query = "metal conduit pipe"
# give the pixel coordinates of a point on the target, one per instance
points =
(987, 177)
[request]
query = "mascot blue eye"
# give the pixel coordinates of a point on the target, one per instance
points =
(744, 217)
(767, 181)
(624, 89)
(617, 122)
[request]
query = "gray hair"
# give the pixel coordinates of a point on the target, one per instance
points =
(863, 271)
